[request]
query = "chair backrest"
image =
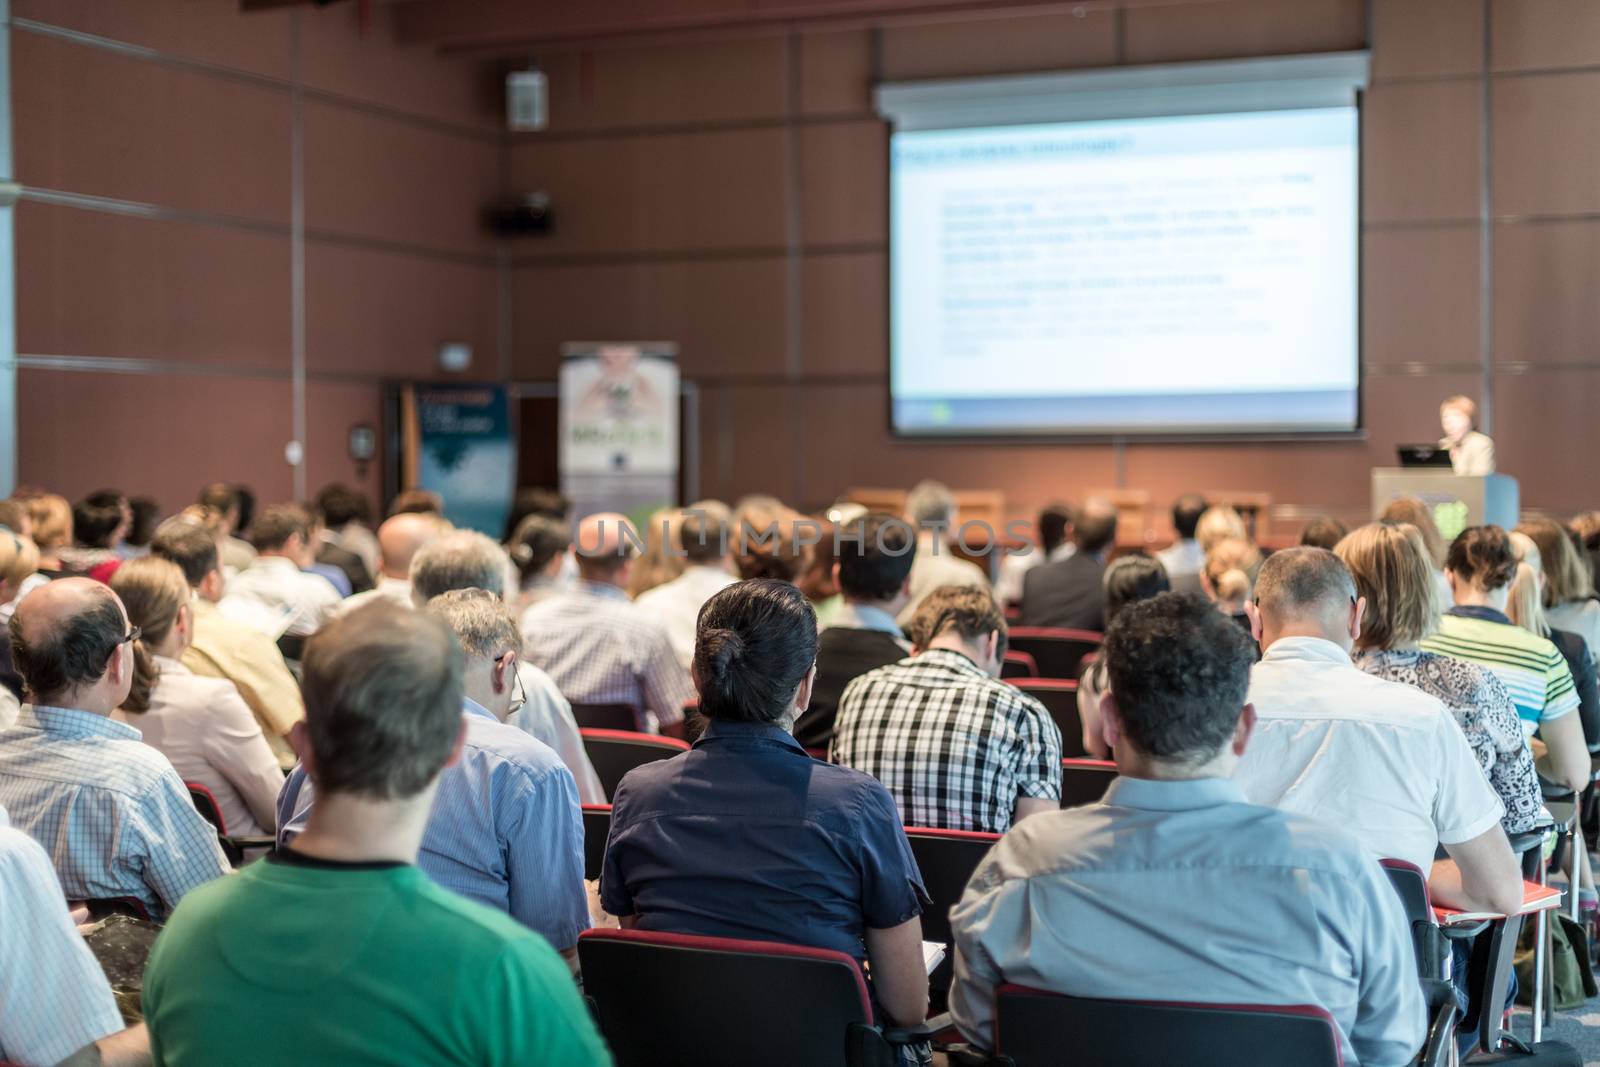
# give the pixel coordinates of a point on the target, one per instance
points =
(1060, 698)
(1084, 781)
(607, 716)
(947, 859)
(205, 802)
(1030, 1029)
(1018, 665)
(676, 999)
(596, 828)
(1412, 887)
(1058, 652)
(616, 752)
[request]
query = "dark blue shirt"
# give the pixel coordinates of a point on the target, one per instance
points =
(747, 836)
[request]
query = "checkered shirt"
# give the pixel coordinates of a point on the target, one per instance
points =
(955, 747)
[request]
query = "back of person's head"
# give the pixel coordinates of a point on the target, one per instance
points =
(417, 502)
(754, 642)
(481, 622)
(221, 498)
(1054, 525)
(965, 611)
(1218, 523)
(96, 520)
(930, 503)
(1390, 565)
(1228, 569)
(1483, 557)
(1525, 604)
(1095, 528)
(660, 562)
(1324, 531)
(144, 512)
(1414, 512)
(14, 517)
(51, 516)
(766, 541)
(875, 557)
(19, 558)
(538, 540)
(383, 688)
(1186, 512)
(1180, 672)
(1587, 529)
(1307, 585)
(606, 544)
(277, 525)
(1565, 576)
(1131, 578)
(461, 559)
(63, 636)
(339, 505)
(246, 499)
(153, 591)
(547, 503)
(703, 532)
(189, 543)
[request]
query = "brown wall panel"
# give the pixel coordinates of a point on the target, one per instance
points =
(210, 31)
(1420, 296)
(1538, 436)
(393, 181)
(93, 284)
(1421, 149)
(163, 436)
(846, 314)
(723, 190)
(1546, 144)
(375, 312)
(750, 437)
(1539, 34)
(1230, 28)
(727, 316)
(332, 408)
(844, 183)
(1544, 305)
(960, 48)
(1426, 38)
(836, 72)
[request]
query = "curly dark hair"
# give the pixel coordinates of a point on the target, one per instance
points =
(1483, 556)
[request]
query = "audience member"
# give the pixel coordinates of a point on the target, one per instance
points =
(99, 523)
(545, 503)
(1382, 760)
(703, 550)
(274, 593)
(817, 579)
(144, 515)
(539, 549)
(1569, 595)
(956, 747)
(1480, 566)
(505, 829)
(347, 514)
(51, 517)
(400, 538)
(18, 560)
(931, 511)
(1324, 531)
(1413, 511)
(598, 646)
(222, 648)
(57, 1005)
(1228, 576)
(766, 542)
(1106, 900)
(873, 574)
(201, 725)
(1218, 523)
(1187, 557)
(112, 813)
(341, 948)
(1525, 608)
(1129, 579)
(1394, 576)
(1052, 541)
(329, 562)
(1586, 528)
(746, 836)
(417, 502)
(659, 563)
(1070, 593)
(227, 501)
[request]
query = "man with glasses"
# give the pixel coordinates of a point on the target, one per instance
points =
(111, 812)
(505, 829)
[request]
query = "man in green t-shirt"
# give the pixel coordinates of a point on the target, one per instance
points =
(338, 949)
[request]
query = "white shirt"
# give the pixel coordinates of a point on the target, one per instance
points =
(385, 588)
(1382, 761)
(547, 716)
(1184, 557)
(676, 605)
(10, 707)
(275, 584)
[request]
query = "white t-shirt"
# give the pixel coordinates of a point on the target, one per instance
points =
(1382, 761)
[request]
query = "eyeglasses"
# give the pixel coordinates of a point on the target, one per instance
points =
(133, 634)
(519, 695)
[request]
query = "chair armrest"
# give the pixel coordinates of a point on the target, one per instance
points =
(243, 842)
(1465, 931)
(926, 1031)
(1441, 1034)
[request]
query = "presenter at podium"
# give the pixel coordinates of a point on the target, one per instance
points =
(1471, 453)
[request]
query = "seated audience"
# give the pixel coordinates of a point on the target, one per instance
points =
(545, 503)
(538, 548)
(1394, 576)
(600, 647)
(201, 725)
(1052, 541)
(816, 580)
(56, 1006)
(1184, 560)
(18, 559)
(1413, 511)
(660, 562)
(99, 522)
(957, 748)
(51, 518)
(274, 593)
(766, 542)
(1384, 761)
(1217, 523)
(1586, 528)
(331, 562)
(1129, 579)
(417, 502)
(400, 538)
(112, 813)
(1229, 574)
(1325, 531)
(222, 648)
(229, 503)
(931, 511)
(1525, 607)
(705, 553)
(1569, 596)
(1480, 566)
(1175, 887)
(336, 947)
(347, 516)
(1070, 592)
(746, 836)
(505, 829)
(873, 574)
(144, 513)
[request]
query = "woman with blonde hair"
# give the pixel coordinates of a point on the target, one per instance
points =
(660, 562)
(18, 561)
(202, 725)
(1393, 573)
(52, 530)
(1218, 523)
(1229, 575)
(1525, 608)
(1569, 602)
(1414, 512)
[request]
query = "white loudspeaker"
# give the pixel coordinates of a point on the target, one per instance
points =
(527, 100)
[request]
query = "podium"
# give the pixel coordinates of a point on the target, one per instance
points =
(1457, 502)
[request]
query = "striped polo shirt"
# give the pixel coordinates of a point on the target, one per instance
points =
(1531, 666)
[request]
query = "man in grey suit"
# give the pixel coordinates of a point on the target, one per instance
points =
(1069, 593)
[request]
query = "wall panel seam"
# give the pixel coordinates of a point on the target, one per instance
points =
(691, 129)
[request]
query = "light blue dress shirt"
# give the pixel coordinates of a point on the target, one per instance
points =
(506, 829)
(1185, 891)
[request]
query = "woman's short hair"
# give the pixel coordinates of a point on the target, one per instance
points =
(52, 521)
(1413, 511)
(1484, 557)
(1390, 564)
(1565, 577)
(1218, 523)
(1464, 404)
(1132, 578)
(754, 642)
(153, 591)
(1324, 531)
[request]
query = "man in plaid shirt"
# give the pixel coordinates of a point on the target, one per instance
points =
(957, 748)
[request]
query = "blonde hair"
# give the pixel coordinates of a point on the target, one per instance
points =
(1218, 523)
(154, 591)
(660, 562)
(1525, 605)
(1565, 577)
(19, 557)
(1230, 564)
(1412, 511)
(1390, 564)
(1464, 404)
(52, 522)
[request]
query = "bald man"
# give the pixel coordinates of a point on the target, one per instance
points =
(399, 540)
(599, 646)
(1070, 592)
(111, 812)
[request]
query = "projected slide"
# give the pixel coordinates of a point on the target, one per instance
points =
(1191, 274)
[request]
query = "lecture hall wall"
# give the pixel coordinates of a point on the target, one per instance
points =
(730, 194)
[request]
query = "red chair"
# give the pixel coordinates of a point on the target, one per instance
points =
(596, 829)
(616, 752)
(1084, 781)
(719, 1002)
(607, 716)
(1058, 652)
(1060, 698)
(233, 845)
(1018, 665)
(947, 859)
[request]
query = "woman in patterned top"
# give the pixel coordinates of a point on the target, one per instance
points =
(1391, 569)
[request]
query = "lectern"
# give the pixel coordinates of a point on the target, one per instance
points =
(1457, 502)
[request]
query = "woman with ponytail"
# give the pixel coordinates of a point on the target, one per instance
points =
(201, 725)
(746, 836)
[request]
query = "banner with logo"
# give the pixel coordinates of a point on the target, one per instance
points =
(619, 426)
(459, 444)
